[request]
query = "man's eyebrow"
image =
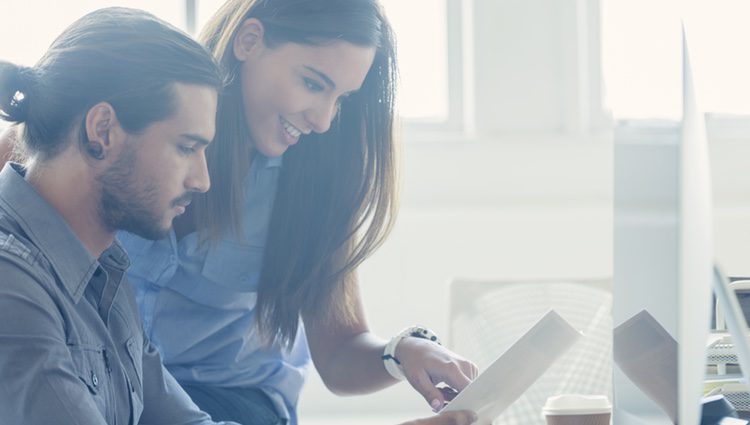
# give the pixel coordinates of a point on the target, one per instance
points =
(323, 76)
(196, 138)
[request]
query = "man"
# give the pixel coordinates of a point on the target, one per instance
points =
(116, 118)
(117, 115)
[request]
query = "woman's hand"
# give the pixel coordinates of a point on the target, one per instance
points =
(459, 417)
(427, 364)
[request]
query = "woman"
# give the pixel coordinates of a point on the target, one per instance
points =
(303, 175)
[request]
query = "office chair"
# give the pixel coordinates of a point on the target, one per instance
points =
(489, 316)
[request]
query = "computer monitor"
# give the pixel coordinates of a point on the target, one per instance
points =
(663, 249)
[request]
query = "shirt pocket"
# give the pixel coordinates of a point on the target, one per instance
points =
(229, 278)
(88, 363)
(235, 266)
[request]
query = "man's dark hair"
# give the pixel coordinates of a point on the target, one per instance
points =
(126, 57)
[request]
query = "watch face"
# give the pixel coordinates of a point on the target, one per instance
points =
(420, 332)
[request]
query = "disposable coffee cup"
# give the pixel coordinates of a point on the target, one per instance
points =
(574, 409)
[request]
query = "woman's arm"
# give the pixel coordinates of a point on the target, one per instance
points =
(347, 355)
(348, 359)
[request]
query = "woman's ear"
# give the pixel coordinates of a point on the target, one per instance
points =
(101, 129)
(248, 40)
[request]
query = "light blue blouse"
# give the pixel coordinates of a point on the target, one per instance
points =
(198, 305)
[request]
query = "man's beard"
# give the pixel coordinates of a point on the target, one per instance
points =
(128, 204)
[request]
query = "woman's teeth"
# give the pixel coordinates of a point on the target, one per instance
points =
(290, 129)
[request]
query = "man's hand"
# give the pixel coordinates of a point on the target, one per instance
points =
(459, 417)
(427, 364)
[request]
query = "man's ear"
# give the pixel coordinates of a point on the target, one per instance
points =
(102, 130)
(248, 40)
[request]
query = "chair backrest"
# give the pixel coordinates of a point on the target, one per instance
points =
(489, 316)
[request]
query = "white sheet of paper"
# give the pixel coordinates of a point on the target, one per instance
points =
(508, 377)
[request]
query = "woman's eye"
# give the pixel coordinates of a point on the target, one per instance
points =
(313, 85)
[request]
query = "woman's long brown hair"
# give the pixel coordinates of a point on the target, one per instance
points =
(336, 197)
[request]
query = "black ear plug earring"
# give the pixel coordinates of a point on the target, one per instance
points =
(95, 150)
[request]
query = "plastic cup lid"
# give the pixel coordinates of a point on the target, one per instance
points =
(576, 404)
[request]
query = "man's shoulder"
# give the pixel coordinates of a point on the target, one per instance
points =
(25, 274)
(18, 252)
(15, 247)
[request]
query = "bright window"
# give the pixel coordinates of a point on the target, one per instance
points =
(28, 27)
(421, 31)
(641, 51)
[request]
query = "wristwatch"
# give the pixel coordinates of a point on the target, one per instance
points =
(391, 363)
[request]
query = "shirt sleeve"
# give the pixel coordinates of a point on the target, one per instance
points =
(164, 400)
(40, 384)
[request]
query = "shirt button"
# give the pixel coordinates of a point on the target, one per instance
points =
(94, 379)
(173, 259)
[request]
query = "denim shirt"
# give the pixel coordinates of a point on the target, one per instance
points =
(198, 304)
(72, 350)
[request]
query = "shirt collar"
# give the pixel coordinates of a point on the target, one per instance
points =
(49, 231)
(269, 161)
